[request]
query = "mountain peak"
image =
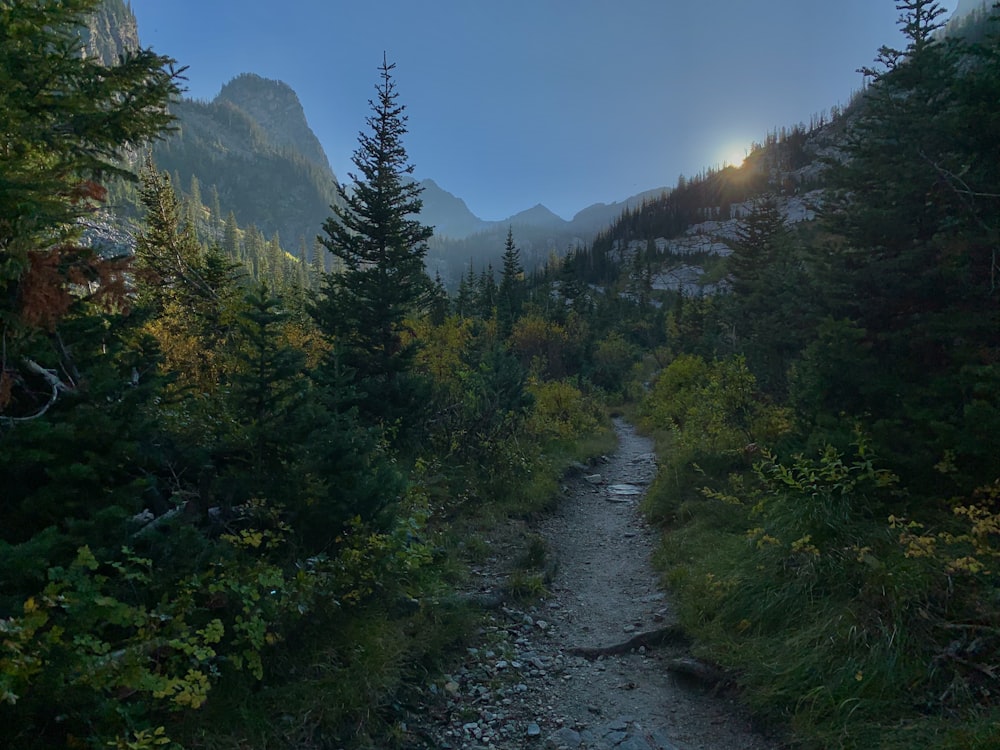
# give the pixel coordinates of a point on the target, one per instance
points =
(537, 215)
(276, 108)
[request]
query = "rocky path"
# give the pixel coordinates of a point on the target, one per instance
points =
(528, 683)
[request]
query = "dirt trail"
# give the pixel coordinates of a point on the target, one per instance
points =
(526, 688)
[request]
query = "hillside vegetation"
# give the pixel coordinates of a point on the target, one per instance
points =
(241, 486)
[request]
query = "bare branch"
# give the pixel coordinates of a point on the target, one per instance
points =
(52, 378)
(966, 195)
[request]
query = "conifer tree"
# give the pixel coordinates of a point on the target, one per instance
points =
(216, 209)
(511, 282)
(194, 204)
(302, 271)
(254, 246)
(268, 388)
(317, 264)
(486, 292)
(231, 238)
(771, 305)
(66, 122)
(381, 244)
(188, 293)
(465, 299)
(276, 263)
(912, 276)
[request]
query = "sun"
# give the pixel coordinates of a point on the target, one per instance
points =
(732, 154)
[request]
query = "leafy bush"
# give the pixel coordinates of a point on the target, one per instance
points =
(562, 412)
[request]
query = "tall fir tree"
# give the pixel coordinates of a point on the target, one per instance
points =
(510, 293)
(231, 239)
(317, 264)
(381, 244)
(771, 312)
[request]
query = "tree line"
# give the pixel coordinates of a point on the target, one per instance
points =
(219, 470)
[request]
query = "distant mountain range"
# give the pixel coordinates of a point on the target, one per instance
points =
(461, 238)
(453, 220)
(252, 146)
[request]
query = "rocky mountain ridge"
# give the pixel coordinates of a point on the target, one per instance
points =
(253, 146)
(276, 109)
(111, 32)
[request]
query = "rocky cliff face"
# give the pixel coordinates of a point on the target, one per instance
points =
(111, 32)
(276, 109)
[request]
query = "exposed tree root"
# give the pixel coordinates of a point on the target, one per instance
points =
(671, 635)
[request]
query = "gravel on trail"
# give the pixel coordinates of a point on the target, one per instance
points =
(533, 680)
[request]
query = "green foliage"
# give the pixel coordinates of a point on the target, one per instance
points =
(282, 485)
(805, 593)
(613, 361)
(834, 612)
(382, 250)
(562, 411)
(118, 654)
(712, 408)
(510, 293)
(770, 310)
(914, 270)
(78, 640)
(67, 120)
(268, 393)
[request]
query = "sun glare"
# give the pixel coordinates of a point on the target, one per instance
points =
(732, 154)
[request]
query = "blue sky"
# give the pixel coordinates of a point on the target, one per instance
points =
(562, 102)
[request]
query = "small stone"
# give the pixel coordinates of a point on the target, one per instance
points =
(633, 743)
(594, 478)
(629, 628)
(563, 738)
(624, 490)
(541, 625)
(534, 730)
(661, 741)
(451, 687)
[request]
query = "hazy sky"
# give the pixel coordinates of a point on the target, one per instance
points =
(560, 102)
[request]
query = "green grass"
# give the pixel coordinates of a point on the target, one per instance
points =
(831, 647)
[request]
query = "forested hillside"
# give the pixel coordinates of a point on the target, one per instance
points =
(241, 490)
(830, 424)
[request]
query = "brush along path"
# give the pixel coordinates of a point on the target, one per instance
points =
(597, 663)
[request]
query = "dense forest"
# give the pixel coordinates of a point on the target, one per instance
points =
(240, 485)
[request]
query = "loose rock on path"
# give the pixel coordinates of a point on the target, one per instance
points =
(588, 666)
